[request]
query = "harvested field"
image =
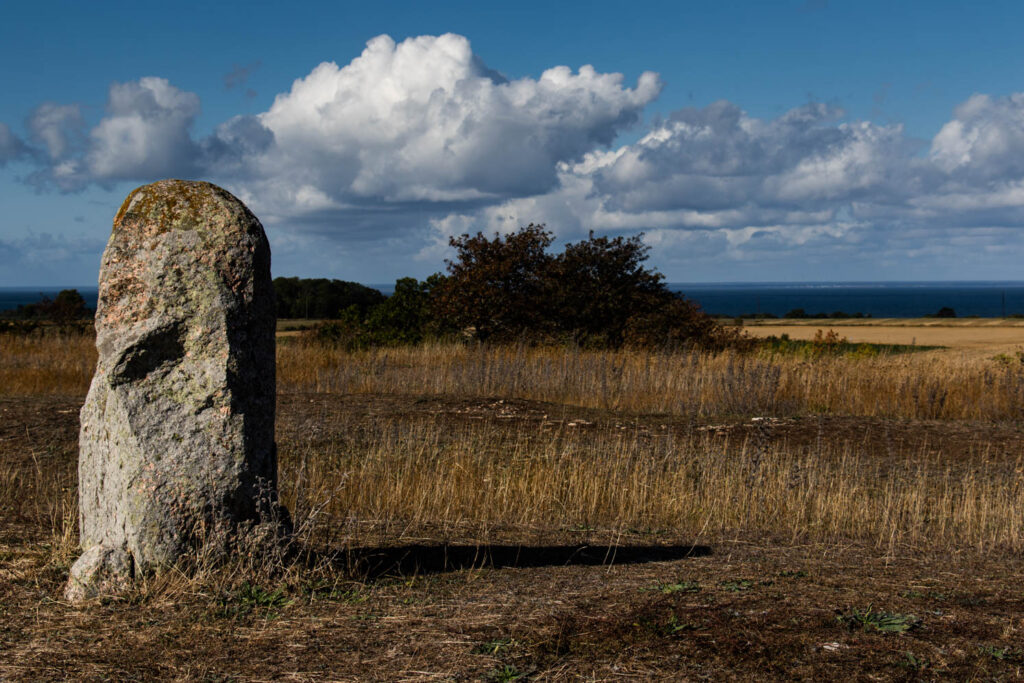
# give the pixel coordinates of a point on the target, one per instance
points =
(977, 336)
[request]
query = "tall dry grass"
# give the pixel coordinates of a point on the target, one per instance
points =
(47, 364)
(432, 477)
(384, 480)
(403, 476)
(920, 385)
(932, 385)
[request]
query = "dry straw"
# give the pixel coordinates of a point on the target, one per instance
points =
(921, 385)
(430, 478)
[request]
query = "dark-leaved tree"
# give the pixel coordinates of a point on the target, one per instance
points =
(598, 284)
(496, 288)
(69, 305)
(404, 316)
(66, 307)
(679, 322)
(596, 293)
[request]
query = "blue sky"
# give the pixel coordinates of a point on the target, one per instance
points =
(749, 141)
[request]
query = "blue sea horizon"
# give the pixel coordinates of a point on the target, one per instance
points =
(983, 298)
(883, 299)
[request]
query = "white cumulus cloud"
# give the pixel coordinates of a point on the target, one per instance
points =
(415, 123)
(425, 120)
(145, 133)
(984, 140)
(718, 179)
(720, 158)
(57, 127)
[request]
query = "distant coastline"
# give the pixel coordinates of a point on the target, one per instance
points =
(986, 299)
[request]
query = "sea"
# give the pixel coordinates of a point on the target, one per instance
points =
(986, 299)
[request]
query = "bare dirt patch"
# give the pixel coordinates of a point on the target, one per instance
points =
(955, 441)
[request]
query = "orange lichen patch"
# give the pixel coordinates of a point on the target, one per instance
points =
(216, 240)
(178, 205)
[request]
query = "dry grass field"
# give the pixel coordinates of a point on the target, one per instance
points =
(549, 514)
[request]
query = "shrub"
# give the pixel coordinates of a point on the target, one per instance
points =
(597, 293)
(497, 288)
(404, 317)
(600, 287)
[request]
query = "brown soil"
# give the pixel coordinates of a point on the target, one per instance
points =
(745, 611)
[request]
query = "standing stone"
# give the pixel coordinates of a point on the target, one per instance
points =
(176, 449)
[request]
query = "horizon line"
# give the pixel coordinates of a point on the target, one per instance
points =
(706, 283)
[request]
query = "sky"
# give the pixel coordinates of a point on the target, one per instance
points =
(786, 141)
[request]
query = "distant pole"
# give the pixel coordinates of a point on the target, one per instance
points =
(1004, 302)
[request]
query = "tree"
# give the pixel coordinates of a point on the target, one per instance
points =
(402, 318)
(598, 293)
(322, 298)
(497, 287)
(598, 284)
(67, 306)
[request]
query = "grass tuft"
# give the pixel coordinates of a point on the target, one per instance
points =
(871, 620)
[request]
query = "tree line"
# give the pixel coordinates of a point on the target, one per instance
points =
(68, 306)
(596, 293)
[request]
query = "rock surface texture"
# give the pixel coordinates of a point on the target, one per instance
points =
(176, 449)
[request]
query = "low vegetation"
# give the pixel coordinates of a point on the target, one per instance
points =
(866, 381)
(555, 473)
(831, 344)
(696, 384)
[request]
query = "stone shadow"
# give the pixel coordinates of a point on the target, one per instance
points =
(417, 559)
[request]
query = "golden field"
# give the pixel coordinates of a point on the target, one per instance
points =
(966, 335)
